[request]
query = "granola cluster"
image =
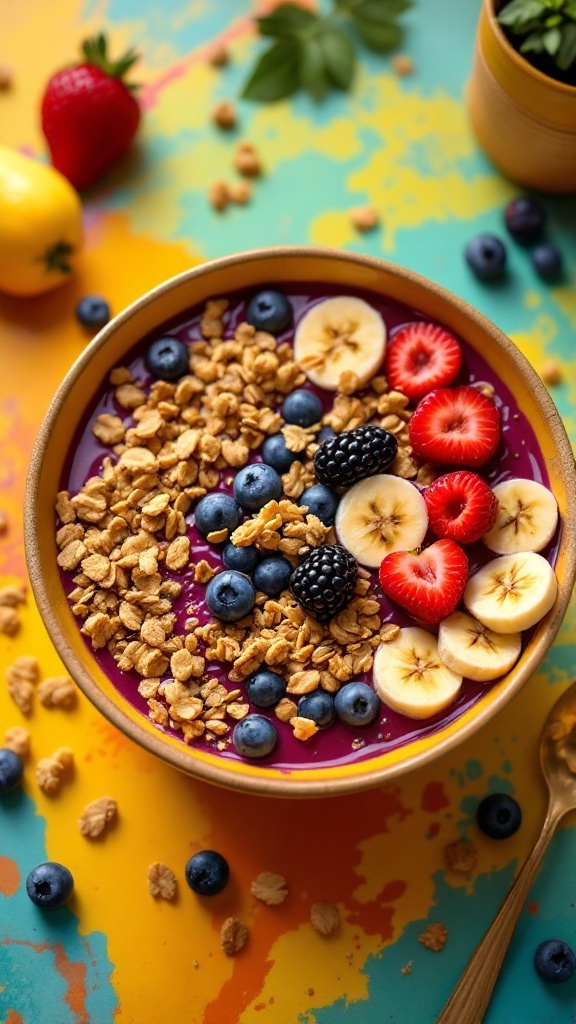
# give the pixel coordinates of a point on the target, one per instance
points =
(123, 536)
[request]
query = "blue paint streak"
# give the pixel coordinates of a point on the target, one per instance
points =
(31, 985)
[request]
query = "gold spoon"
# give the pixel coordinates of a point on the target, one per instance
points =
(469, 1000)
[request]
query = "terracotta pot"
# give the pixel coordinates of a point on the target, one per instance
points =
(524, 120)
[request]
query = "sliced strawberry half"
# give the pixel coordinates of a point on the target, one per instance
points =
(460, 506)
(420, 357)
(456, 426)
(428, 585)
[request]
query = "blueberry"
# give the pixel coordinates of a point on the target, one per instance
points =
(272, 575)
(230, 595)
(555, 960)
(324, 433)
(217, 512)
(319, 706)
(167, 359)
(498, 816)
(302, 407)
(256, 485)
(266, 688)
(254, 736)
(269, 311)
(322, 501)
(11, 769)
(486, 256)
(525, 219)
(207, 872)
(49, 885)
(93, 311)
(357, 704)
(547, 262)
(241, 559)
(276, 454)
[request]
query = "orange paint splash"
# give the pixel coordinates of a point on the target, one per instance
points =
(433, 797)
(316, 874)
(9, 876)
(13, 1018)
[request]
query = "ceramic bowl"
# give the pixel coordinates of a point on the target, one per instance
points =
(249, 271)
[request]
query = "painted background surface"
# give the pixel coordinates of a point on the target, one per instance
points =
(115, 954)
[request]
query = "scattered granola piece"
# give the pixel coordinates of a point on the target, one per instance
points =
(402, 65)
(22, 677)
(324, 918)
(6, 77)
(57, 692)
(17, 739)
(389, 632)
(219, 56)
(407, 968)
(233, 936)
(217, 536)
(9, 620)
(434, 936)
(224, 115)
(96, 816)
(161, 881)
(246, 160)
(240, 192)
(551, 373)
(12, 595)
(461, 856)
(285, 709)
(218, 195)
(269, 888)
(50, 771)
(364, 218)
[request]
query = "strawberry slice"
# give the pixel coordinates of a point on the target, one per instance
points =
(422, 356)
(457, 426)
(428, 585)
(460, 506)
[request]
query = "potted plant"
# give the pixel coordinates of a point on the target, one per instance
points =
(521, 96)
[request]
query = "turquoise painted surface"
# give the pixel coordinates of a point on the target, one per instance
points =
(49, 972)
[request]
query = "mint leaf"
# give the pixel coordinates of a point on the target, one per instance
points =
(339, 57)
(380, 38)
(532, 44)
(277, 73)
(312, 70)
(520, 12)
(567, 52)
(551, 41)
(380, 11)
(286, 20)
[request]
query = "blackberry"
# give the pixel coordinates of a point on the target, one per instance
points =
(354, 454)
(324, 582)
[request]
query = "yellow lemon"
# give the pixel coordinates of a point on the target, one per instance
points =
(40, 225)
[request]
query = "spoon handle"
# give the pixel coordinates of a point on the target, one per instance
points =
(469, 1000)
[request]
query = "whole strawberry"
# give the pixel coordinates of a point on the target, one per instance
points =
(89, 115)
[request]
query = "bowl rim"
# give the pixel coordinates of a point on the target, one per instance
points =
(219, 770)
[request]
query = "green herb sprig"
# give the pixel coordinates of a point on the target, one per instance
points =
(546, 28)
(317, 52)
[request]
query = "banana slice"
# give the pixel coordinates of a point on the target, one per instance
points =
(527, 517)
(410, 677)
(338, 334)
(512, 592)
(473, 650)
(381, 514)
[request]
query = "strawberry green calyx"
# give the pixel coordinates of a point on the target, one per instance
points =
(95, 52)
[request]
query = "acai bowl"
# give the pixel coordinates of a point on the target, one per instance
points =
(268, 510)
